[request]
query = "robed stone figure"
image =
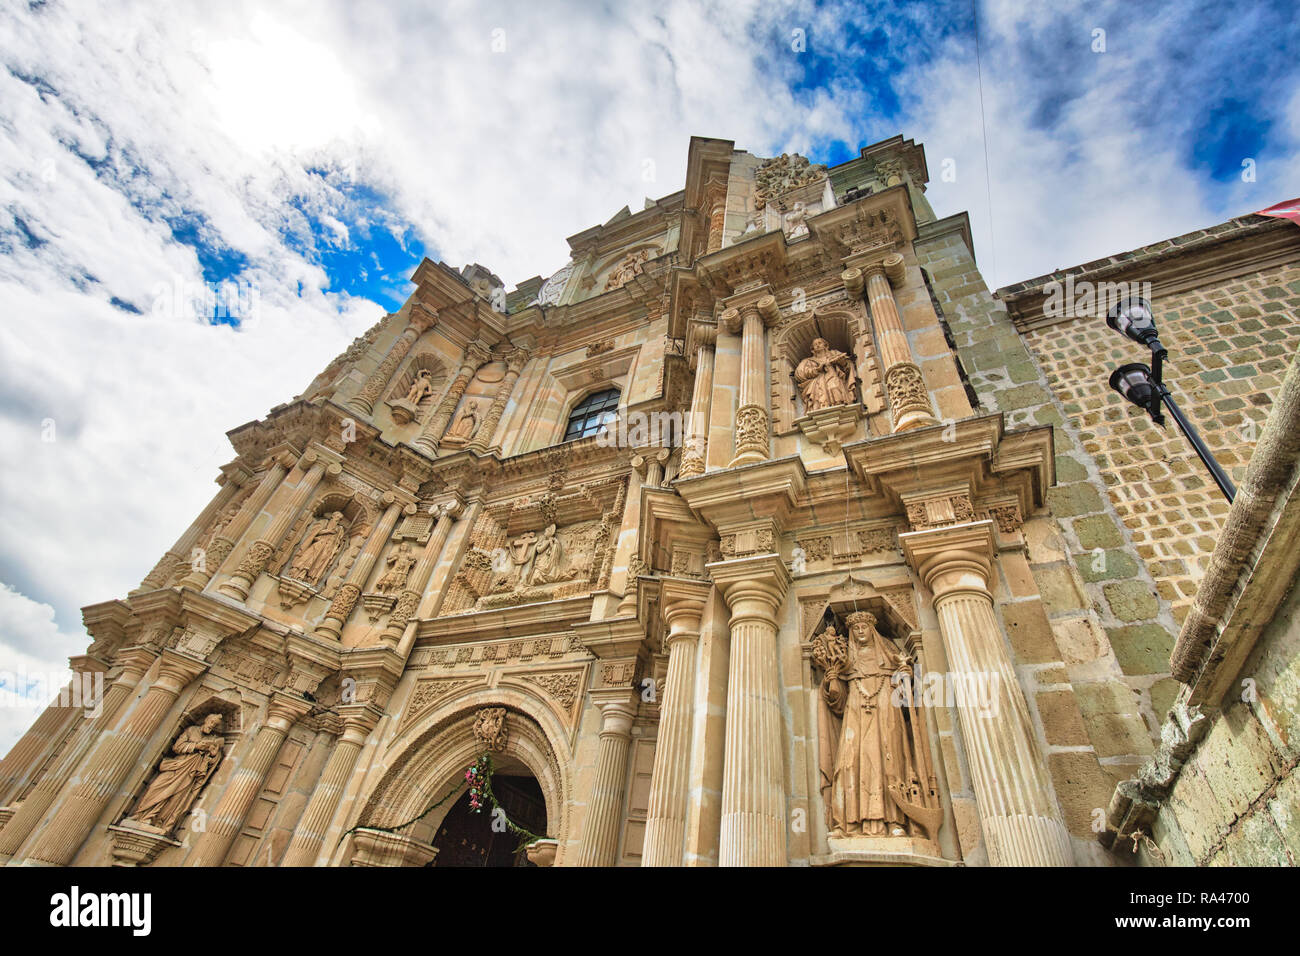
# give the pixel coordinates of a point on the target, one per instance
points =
(318, 549)
(195, 755)
(826, 378)
(873, 755)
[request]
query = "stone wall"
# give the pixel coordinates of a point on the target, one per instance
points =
(1092, 645)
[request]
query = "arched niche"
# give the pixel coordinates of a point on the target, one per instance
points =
(358, 519)
(843, 331)
(427, 367)
(430, 757)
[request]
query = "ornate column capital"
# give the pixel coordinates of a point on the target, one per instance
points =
(752, 583)
(285, 711)
(617, 711)
(177, 670)
(952, 560)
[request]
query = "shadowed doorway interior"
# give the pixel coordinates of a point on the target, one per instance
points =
(467, 838)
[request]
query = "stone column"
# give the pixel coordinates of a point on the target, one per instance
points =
(51, 726)
(331, 625)
(409, 601)
(475, 355)
(1018, 814)
(224, 543)
(599, 846)
(310, 832)
(753, 780)
(260, 551)
(178, 555)
(227, 817)
(419, 321)
(487, 430)
(665, 834)
(753, 420)
(909, 400)
(114, 757)
(704, 336)
(135, 662)
(716, 197)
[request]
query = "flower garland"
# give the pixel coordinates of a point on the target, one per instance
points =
(479, 778)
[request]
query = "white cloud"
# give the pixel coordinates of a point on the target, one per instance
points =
(496, 131)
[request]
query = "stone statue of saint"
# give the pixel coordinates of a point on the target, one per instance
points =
(873, 755)
(467, 424)
(180, 778)
(318, 549)
(419, 388)
(399, 564)
(548, 558)
(826, 378)
(795, 221)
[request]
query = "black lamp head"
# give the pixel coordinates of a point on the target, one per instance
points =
(1137, 385)
(1133, 317)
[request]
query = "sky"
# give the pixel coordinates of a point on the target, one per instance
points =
(202, 204)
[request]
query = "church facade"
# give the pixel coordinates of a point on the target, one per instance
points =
(762, 533)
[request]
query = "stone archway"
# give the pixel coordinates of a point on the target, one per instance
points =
(430, 769)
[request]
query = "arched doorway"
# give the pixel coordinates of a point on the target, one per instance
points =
(466, 838)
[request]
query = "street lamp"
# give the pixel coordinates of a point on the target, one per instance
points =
(1143, 386)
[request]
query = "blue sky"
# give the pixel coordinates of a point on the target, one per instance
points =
(307, 154)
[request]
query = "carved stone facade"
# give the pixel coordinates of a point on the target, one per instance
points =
(833, 587)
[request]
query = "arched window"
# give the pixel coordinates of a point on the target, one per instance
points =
(590, 413)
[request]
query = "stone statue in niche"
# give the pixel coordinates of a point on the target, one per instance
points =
(873, 755)
(826, 378)
(795, 224)
(548, 558)
(319, 549)
(466, 425)
(420, 388)
(180, 778)
(399, 564)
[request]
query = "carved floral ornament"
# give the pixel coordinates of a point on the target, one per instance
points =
(780, 174)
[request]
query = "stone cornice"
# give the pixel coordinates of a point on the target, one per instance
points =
(768, 489)
(974, 455)
(525, 620)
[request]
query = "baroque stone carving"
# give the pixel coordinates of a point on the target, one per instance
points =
(399, 566)
(1007, 517)
(319, 548)
(826, 378)
(490, 728)
(873, 756)
(629, 268)
(906, 390)
(195, 754)
(426, 694)
(562, 687)
(782, 173)
(466, 424)
(752, 428)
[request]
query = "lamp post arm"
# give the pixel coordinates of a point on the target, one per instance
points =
(1207, 457)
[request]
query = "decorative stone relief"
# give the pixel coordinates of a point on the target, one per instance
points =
(563, 687)
(427, 693)
(553, 288)
(490, 728)
(782, 173)
(630, 267)
(941, 511)
(1008, 517)
(906, 390)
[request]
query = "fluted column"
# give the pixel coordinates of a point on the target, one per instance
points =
(310, 831)
(419, 320)
(753, 419)
(431, 434)
(221, 546)
(909, 400)
(135, 662)
(1021, 823)
(227, 817)
(599, 846)
(108, 765)
(665, 832)
(49, 728)
(331, 625)
(483, 437)
(409, 601)
(178, 555)
(753, 776)
(260, 551)
(694, 455)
